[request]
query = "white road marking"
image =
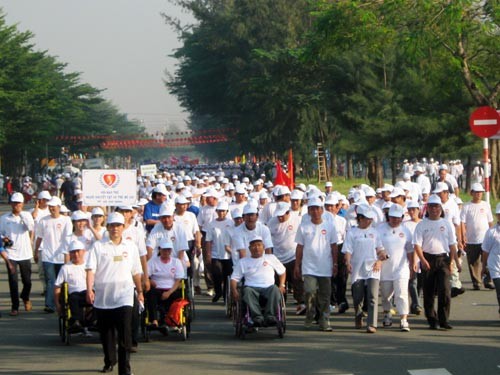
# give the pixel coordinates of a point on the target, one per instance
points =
(430, 371)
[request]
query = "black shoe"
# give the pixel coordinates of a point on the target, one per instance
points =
(106, 369)
(133, 349)
(476, 287)
(416, 310)
(433, 325)
(216, 298)
(457, 291)
(445, 326)
(48, 310)
(343, 307)
(270, 321)
(258, 321)
(489, 286)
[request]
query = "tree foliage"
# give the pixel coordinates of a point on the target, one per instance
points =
(40, 100)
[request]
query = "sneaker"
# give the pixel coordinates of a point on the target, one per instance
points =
(307, 325)
(327, 328)
(332, 309)
(457, 291)
(210, 293)
(387, 322)
(489, 286)
(416, 310)
(301, 309)
(404, 326)
(14, 313)
(371, 329)
(358, 321)
(48, 310)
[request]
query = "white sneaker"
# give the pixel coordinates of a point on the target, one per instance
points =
(387, 322)
(210, 293)
(332, 309)
(405, 327)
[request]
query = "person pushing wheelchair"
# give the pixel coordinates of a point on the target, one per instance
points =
(259, 270)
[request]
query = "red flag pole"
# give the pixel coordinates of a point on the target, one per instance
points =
(290, 169)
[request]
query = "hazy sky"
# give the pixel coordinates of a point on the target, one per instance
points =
(118, 45)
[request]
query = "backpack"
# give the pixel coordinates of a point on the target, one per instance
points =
(173, 317)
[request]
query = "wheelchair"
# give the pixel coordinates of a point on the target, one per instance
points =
(242, 321)
(65, 329)
(228, 299)
(182, 326)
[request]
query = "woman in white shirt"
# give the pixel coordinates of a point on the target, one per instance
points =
(363, 257)
(165, 273)
(395, 272)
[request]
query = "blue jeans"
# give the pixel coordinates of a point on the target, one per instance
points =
(51, 270)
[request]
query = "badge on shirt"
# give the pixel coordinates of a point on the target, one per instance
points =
(117, 258)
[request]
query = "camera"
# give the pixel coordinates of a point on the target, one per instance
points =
(7, 242)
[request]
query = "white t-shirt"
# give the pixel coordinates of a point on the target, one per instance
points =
(113, 267)
(175, 234)
(451, 211)
(136, 233)
(434, 236)
(283, 237)
(216, 234)
(258, 272)
(18, 228)
(55, 234)
(267, 212)
(242, 236)
(74, 275)
(341, 226)
(491, 245)
(87, 239)
(397, 244)
(362, 244)
(229, 240)
(206, 215)
(189, 223)
(476, 217)
(317, 240)
(165, 274)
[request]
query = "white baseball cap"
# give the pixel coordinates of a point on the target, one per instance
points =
(79, 215)
(250, 209)
(166, 210)
(44, 194)
(115, 218)
(315, 202)
(396, 211)
(165, 243)
(76, 245)
(97, 211)
(440, 187)
(434, 199)
(477, 187)
(222, 206)
(396, 192)
(181, 199)
(55, 201)
(17, 198)
(282, 208)
(365, 210)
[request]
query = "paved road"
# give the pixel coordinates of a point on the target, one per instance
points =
(29, 344)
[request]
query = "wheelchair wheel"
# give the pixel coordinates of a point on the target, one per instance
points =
(190, 297)
(237, 318)
(281, 330)
(65, 316)
(184, 333)
(228, 299)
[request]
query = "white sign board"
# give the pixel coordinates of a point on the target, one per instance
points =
(109, 187)
(148, 170)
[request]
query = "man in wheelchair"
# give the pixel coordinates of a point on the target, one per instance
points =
(258, 271)
(165, 273)
(73, 273)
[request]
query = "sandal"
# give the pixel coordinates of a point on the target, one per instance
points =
(14, 313)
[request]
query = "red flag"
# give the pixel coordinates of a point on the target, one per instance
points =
(290, 170)
(281, 177)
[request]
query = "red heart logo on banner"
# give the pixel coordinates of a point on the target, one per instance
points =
(109, 179)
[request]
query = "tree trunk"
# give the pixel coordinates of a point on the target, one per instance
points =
(379, 173)
(372, 171)
(350, 172)
(468, 172)
(393, 170)
(334, 165)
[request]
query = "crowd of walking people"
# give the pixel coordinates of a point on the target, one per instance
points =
(404, 244)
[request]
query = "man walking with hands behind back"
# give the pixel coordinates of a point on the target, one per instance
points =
(113, 269)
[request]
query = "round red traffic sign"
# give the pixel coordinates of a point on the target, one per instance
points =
(485, 122)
